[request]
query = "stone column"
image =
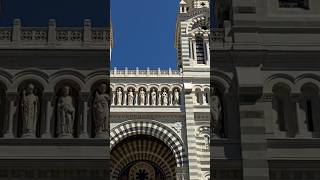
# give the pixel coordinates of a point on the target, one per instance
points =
(49, 111)
(12, 110)
(159, 98)
(208, 52)
(124, 96)
(136, 98)
(112, 98)
(194, 50)
(170, 98)
(147, 98)
(301, 117)
(84, 119)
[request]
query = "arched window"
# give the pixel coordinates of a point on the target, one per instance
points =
(280, 99)
(310, 104)
(285, 108)
(200, 50)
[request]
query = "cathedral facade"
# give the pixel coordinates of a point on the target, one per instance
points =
(160, 119)
(65, 115)
(54, 105)
(265, 98)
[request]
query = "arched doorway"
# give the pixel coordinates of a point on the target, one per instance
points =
(142, 157)
(148, 144)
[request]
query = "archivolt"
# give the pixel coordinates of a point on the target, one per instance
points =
(152, 128)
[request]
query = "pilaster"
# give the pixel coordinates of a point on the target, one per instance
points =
(191, 134)
(253, 138)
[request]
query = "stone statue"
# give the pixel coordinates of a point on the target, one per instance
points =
(119, 96)
(30, 106)
(206, 141)
(101, 107)
(142, 96)
(176, 97)
(153, 97)
(216, 111)
(204, 98)
(66, 113)
(130, 97)
(165, 97)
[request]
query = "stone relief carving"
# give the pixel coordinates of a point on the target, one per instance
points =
(164, 97)
(216, 111)
(119, 96)
(177, 127)
(176, 97)
(130, 97)
(30, 106)
(101, 109)
(65, 113)
(142, 95)
(206, 139)
(153, 97)
(135, 96)
(204, 132)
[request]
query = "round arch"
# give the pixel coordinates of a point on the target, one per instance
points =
(138, 149)
(152, 128)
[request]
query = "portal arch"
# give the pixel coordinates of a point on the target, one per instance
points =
(152, 128)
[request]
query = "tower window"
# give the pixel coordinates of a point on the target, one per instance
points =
(294, 4)
(200, 50)
(310, 104)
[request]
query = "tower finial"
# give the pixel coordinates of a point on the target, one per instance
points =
(183, 6)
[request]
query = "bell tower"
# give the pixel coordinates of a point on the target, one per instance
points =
(192, 35)
(192, 44)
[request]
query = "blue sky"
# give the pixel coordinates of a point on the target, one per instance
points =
(66, 12)
(143, 29)
(144, 33)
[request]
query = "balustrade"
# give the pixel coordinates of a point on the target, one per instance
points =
(159, 72)
(54, 36)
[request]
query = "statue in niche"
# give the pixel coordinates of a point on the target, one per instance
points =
(206, 139)
(130, 97)
(142, 96)
(153, 97)
(30, 113)
(101, 107)
(119, 96)
(66, 113)
(216, 111)
(176, 97)
(165, 97)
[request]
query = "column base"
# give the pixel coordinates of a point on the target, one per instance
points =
(28, 135)
(102, 136)
(46, 135)
(84, 135)
(65, 136)
(8, 135)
